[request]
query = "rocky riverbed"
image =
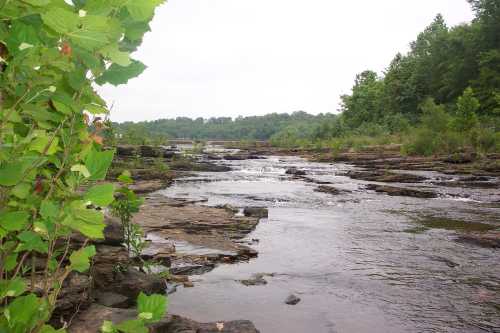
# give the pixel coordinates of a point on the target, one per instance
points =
(357, 242)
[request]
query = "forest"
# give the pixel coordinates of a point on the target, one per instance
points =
(442, 96)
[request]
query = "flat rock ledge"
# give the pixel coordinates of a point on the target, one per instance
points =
(90, 321)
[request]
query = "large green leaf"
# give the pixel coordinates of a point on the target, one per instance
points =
(31, 241)
(143, 10)
(61, 20)
(11, 173)
(98, 162)
(101, 195)
(151, 308)
(14, 221)
(80, 260)
(21, 36)
(45, 144)
(132, 326)
(49, 209)
(23, 312)
(11, 288)
(88, 222)
(117, 74)
(37, 3)
(113, 53)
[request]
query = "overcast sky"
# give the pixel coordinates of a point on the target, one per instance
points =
(210, 58)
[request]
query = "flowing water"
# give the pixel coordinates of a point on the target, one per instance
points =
(359, 261)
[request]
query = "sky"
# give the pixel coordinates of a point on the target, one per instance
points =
(213, 58)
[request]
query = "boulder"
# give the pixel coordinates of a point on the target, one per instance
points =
(113, 232)
(126, 151)
(111, 299)
(385, 176)
(260, 212)
(295, 172)
(74, 295)
(330, 190)
(90, 321)
(401, 191)
(150, 151)
(460, 158)
(292, 300)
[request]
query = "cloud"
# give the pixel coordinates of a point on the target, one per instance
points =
(239, 57)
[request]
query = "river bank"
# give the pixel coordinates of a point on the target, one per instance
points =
(361, 235)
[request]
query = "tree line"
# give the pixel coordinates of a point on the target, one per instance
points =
(450, 76)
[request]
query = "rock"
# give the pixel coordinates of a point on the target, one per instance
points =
(148, 186)
(188, 284)
(292, 300)
(112, 300)
(178, 278)
(400, 191)
(460, 158)
(113, 232)
(150, 151)
(168, 153)
(484, 239)
(229, 208)
(260, 212)
(256, 280)
(110, 274)
(74, 295)
(192, 269)
(126, 151)
(384, 176)
(90, 321)
(241, 157)
(295, 172)
(330, 190)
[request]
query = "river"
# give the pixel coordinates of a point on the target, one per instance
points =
(360, 261)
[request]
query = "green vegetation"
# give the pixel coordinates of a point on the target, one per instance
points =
(51, 55)
(443, 96)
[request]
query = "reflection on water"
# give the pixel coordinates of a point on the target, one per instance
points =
(352, 258)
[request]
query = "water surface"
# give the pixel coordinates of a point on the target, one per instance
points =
(360, 262)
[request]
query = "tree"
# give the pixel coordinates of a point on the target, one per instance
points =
(467, 106)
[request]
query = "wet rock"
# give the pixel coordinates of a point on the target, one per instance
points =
(446, 261)
(74, 295)
(400, 191)
(460, 158)
(113, 232)
(188, 284)
(295, 172)
(126, 151)
(256, 280)
(260, 212)
(168, 153)
(178, 278)
(90, 321)
(229, 208)
(112, 300)
(110, 274)
(331, 190)
(148, 186)
(241, 157)
(292, 300)
(384, 176)
(150, 151)
(192, 269)
(484, 239)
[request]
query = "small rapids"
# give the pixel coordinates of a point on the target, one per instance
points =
(360, 261)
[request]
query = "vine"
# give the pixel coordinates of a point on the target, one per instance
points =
(52, 52)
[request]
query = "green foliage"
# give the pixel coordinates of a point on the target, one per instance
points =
(126, 204)
(467, 106)
(51, 55)
(150, 309)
